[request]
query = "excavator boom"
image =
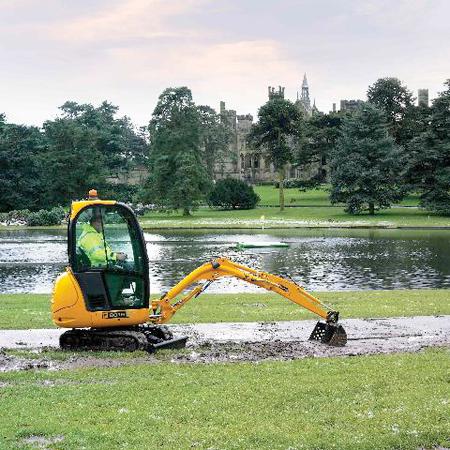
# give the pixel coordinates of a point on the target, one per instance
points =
(328, 332)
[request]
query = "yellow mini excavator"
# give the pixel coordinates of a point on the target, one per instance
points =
(104, 294)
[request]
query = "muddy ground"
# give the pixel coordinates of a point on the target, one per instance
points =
(233, 342)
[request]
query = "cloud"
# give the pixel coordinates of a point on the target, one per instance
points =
(143, 19)
(237, 72)
(245, 63)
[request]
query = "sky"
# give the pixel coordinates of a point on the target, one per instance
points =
(129, 51)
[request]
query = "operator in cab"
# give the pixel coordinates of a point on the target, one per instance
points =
(93, 245)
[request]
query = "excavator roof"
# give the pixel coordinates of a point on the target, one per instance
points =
(90, 201)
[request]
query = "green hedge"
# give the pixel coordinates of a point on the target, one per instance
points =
(42, 217)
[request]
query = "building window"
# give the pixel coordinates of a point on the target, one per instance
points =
(248, 161)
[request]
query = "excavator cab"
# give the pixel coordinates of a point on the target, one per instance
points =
(104, 293)
(97, 235)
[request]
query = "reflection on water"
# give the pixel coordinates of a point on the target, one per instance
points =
(30, 260)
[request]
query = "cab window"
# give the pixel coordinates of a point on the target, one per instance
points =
(106, 241)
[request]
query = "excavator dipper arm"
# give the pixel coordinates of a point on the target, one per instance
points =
(165, 307)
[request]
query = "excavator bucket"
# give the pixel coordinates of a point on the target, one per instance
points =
(330, 334)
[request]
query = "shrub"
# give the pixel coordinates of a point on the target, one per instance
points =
(45, 217)
(15, 217)
(233, 194)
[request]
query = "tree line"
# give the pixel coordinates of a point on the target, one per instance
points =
(385, 149)
(90, 146)
(376, 154)
(50, 166)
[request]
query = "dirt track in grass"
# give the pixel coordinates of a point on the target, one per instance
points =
(242, 342)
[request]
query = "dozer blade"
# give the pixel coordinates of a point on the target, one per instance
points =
(170, 343)
(330, 334)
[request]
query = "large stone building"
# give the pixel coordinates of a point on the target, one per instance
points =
(350, 105)
(245, 162)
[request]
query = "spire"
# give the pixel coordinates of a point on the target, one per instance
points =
(304, 96)
(305, 81)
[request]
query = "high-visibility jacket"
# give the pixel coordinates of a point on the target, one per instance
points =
(95, 247)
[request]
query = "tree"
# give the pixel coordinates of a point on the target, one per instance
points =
(91, 147)
(115, 138)
(178, 177)
(397, 102)
(366, 163)
(277, 127)
(21, 180)
(76, 163)
(429, 157)
(214, 138)
(319, 134)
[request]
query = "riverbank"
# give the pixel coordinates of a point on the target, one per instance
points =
(308, 209)
(23, 311)
(298, 217)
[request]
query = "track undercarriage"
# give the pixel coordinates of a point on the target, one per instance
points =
(140, 337)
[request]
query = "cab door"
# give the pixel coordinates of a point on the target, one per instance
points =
(108, 257)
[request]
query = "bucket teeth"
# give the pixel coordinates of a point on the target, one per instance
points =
(330, 334)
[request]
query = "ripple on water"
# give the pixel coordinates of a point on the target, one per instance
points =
(319, 260)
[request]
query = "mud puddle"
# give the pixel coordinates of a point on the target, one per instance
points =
(10, 363)
(238, 342)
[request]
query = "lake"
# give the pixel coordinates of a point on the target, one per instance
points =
(320, 259)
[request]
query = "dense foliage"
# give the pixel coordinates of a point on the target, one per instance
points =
(318, 137)
(233, 194)
(86, 147)
(366, 163)
(428, 169)
(186, 145)
(214, 139)
(397, 102)
(178, 176)
(22, 180)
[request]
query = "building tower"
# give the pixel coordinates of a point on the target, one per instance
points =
(304, 102)
(274, 94)
(423, 97)
(305, 93)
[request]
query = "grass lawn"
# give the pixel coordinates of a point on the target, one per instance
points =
(308, 216)
(21, 311)
(316, 211)
(376, 402)
(269, 195)
(312, 197)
